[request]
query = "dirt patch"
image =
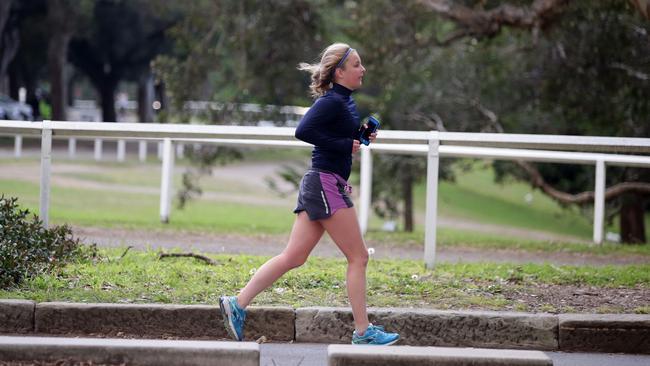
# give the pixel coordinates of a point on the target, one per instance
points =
(579, 299)
(269, 245)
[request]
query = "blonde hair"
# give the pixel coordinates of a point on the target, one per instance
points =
(322, 73)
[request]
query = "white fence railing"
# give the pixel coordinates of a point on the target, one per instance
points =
(600, 151)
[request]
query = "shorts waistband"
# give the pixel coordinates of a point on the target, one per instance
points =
(339, 179)
(317, 170)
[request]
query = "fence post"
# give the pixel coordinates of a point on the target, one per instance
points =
(166, 180)
(431, 220)
(365, 191)
(98, 149)
(72, 147)
(180, 150)
(46, 162)
(142, 151)
(18, 146)
(599, 202)
(121, 150)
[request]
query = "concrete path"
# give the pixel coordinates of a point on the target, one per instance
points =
(270, 354)
(143, 352)
(308, 354)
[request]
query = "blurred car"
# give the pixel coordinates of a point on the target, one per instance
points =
(11, 109)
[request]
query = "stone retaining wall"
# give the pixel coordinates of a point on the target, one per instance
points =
(625, 333)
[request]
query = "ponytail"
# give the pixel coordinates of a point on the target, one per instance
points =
(322, 73)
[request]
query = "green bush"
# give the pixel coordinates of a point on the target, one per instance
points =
(27, 249)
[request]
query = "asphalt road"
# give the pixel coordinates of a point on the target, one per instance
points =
(308, 354)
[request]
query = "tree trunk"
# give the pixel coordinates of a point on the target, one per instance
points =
(631, 219)
(70, 90)
(58, 12)
(57, 51)
(107, 94)
(14, 77)
(9, 42)
(5, 9)
(5, 50)
(8, 45)
(407, 196)
(145, 97)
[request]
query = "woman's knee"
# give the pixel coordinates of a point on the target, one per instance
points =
(292, 261)
(359, 259)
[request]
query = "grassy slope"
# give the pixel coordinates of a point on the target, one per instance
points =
(473, 197)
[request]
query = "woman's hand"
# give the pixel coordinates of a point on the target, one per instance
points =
(356, 146)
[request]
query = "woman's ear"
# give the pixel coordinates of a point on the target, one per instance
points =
(338, 73)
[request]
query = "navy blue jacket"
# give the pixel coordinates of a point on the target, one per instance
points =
(330, 125)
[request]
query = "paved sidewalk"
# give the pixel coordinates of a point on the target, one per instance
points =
(310, 354)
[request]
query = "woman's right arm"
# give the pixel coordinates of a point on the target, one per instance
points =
(314, 126)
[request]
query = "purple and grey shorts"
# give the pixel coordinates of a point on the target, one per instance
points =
(322, 193)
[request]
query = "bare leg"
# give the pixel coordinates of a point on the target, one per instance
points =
(304, 237)
(343, 228)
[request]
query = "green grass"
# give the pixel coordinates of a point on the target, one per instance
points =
(474, 197)
(462, 238)
(112, 209)
(140, 277)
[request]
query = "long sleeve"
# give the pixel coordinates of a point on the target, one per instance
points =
(318, 126)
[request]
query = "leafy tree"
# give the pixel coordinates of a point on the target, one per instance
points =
(593, 68)
(119, 44)
(22, 45)
(561, 79)
(63, 16)
(246, 52)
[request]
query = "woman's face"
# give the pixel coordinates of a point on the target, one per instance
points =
(352, 76)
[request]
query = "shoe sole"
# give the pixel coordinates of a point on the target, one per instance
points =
(375, 344)
(227, 322)
(391, 343)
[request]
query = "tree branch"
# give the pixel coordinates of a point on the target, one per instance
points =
(192, 255)
(433, 121)
(488, 23)
(584, 197)
(487, 113)
(537, 180)
(643, 6)
(630, 71)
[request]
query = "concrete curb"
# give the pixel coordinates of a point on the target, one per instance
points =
(624, 333)
(16, 316)
(158, 321)
(435, 327)
(340, 355)
(143, 352)
(612, 333)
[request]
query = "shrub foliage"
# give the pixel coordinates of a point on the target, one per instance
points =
(26, 248)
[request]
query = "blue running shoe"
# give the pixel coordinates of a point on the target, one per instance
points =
(375, 335)
(233, 316)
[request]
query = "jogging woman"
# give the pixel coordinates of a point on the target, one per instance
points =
(331, 125)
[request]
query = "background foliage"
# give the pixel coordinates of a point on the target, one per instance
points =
(554, 67)
(27, 249)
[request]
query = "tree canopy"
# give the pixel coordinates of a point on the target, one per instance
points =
(518, 66)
